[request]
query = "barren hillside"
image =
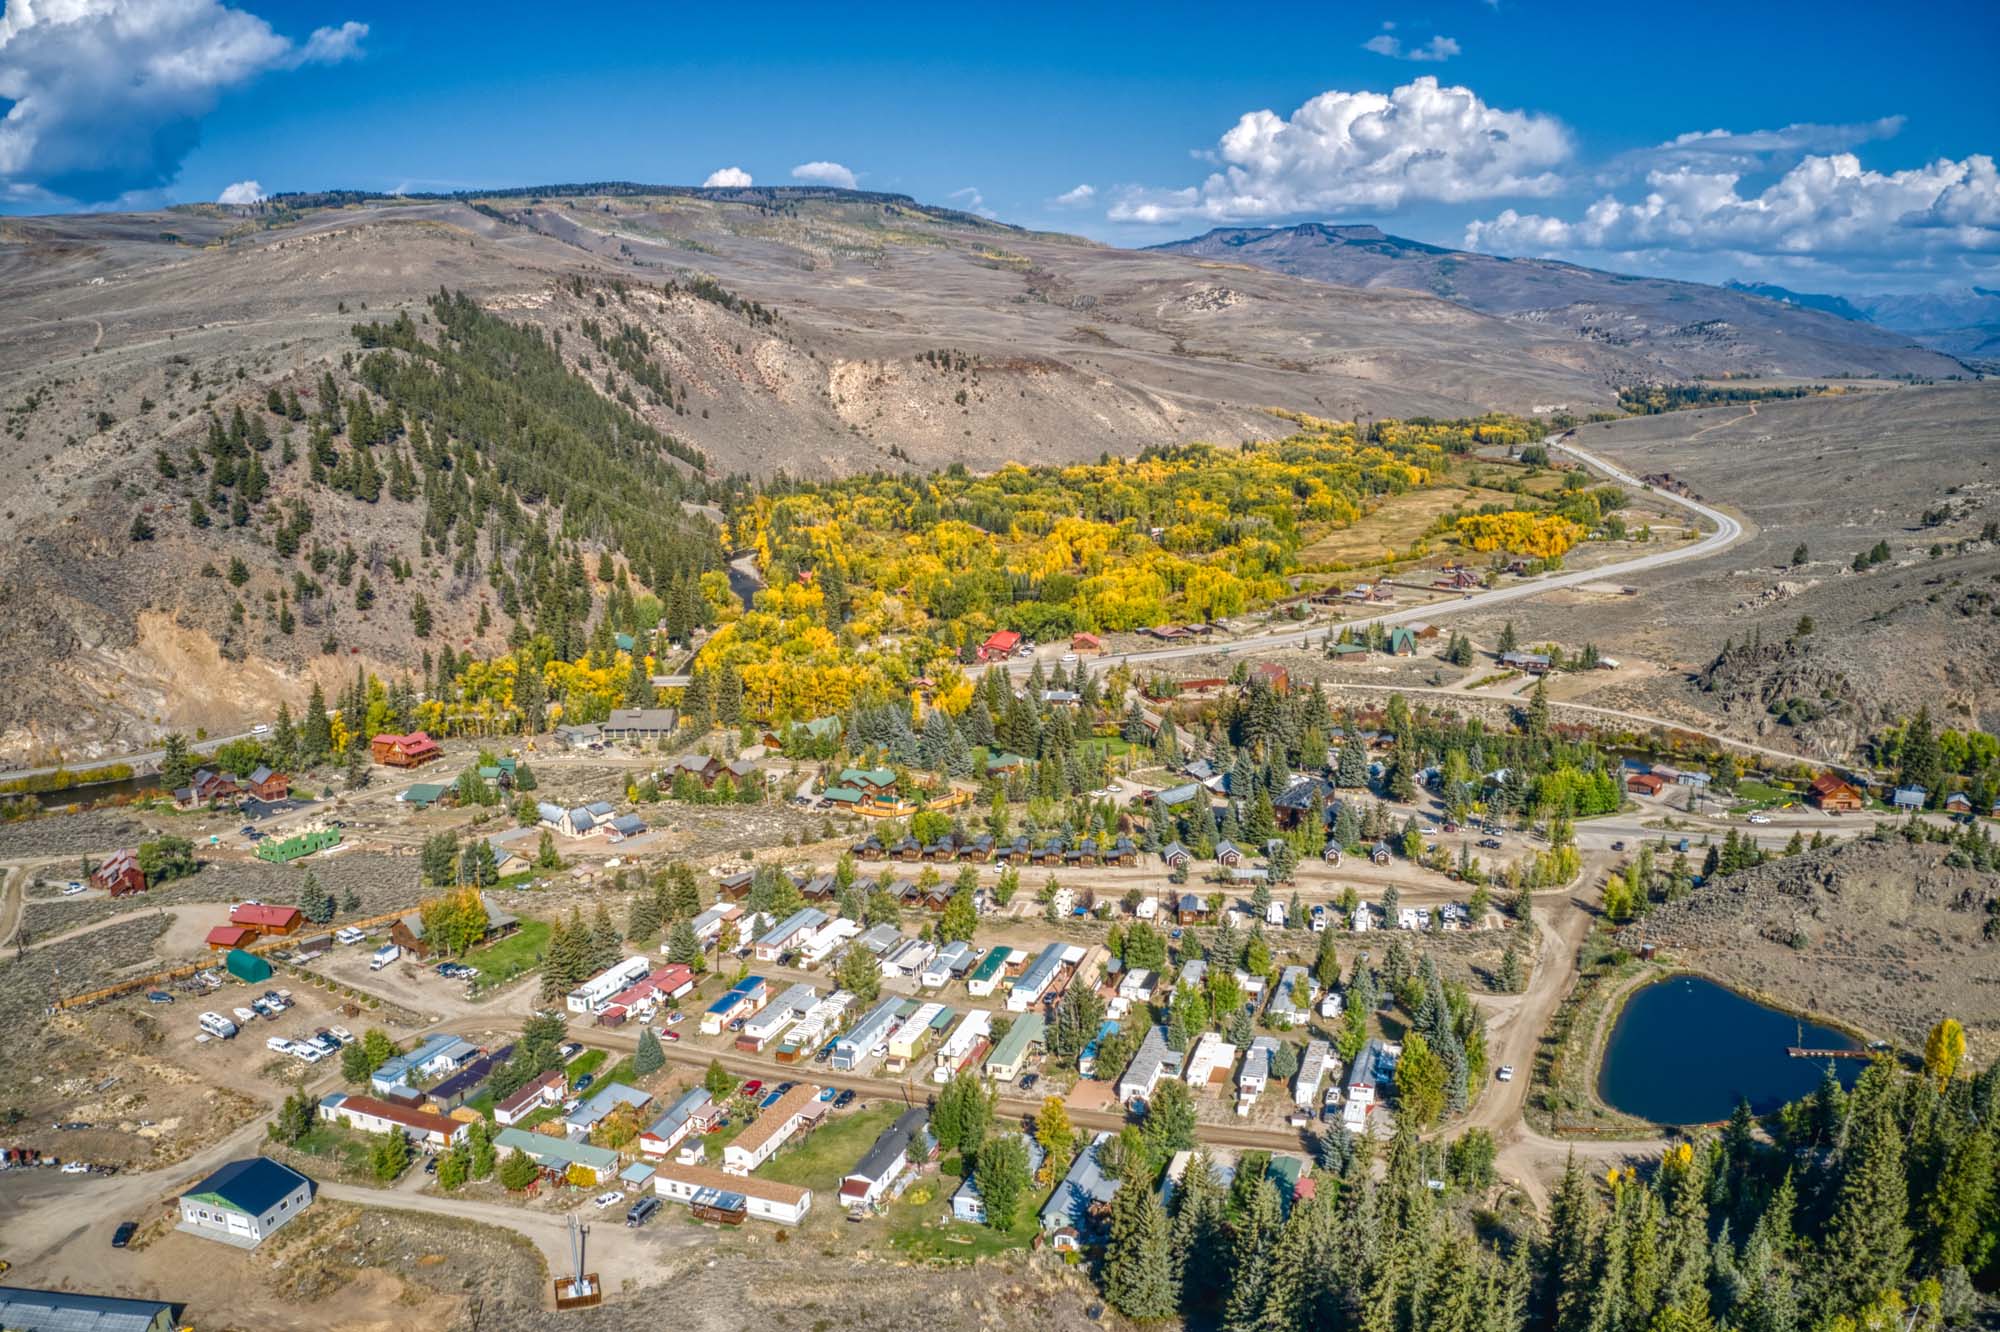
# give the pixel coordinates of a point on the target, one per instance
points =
(1679, 329)
(1886, 936)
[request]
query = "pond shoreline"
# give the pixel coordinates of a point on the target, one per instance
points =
(1656, 975)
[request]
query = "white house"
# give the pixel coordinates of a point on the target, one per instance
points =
(1035, 981)
(1153, 1061)
(1212, 1054)
(595, 993)
(820, 944)
(765, 1199)
(244, 1202)
(773, 1129)
(908, 958)
(967, 1042)
(788, 933)
(1314, 1067)
(1255, 1074)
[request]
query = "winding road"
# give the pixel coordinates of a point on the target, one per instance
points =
(1728, 531)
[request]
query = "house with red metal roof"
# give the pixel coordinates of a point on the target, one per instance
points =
(999, 646)
(404, 751)
(267, 919)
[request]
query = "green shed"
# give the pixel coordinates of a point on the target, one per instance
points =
(247, 966)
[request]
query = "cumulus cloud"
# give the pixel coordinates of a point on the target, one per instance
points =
(1386, 43)
(1824, 206)
(824, 173)
(1079, 197)
(241, 194)
(108, 95)
(728, 178)
(1421, 142)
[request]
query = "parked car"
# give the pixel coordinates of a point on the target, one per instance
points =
(123, 1235)
(752, 1087)
(1490, 843)
(771, 1098)
(845, 1099)
(670, 1035)
(603, 1200)
(1506, 1073)
(583, 1083)
(76, 1167)
(828, 1093)
(341, 1034)
(72, 890)
(1028, 1081)
(642, 1212)
(675, 1019)
(158, 997)
(569, 1051)
(1760, 818)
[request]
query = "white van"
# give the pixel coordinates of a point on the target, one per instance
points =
(217, 1025)
(350, 935)
(384, 955)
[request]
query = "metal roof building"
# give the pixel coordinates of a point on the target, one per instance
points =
(60, 1311)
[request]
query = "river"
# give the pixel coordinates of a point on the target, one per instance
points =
(1685, 1050)
(744, 580)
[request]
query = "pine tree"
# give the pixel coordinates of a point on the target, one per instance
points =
(649, 1058)
(1138, 1267)
(1867, 1248)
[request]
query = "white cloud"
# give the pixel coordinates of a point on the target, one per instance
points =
(1076, 198)
(1824, 206)
(1367, 150)
(330, 46)
(728, 178)
(824, 173)
(241, 194)
(1722, 150)
(1438, 48)
(108, 95)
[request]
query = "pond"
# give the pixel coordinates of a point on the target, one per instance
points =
(1685, 1050)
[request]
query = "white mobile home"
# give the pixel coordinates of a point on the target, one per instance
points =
(596, 992)
(967, 1042)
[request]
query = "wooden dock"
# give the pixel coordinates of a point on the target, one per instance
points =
(1801, 1052)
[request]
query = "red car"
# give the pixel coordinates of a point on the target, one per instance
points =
(752, 1087)
(670, 1035)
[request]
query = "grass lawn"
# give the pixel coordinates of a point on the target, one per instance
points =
(819, 1160)
(515, 955)
(483, 1103)
(587, 1062)
(915, 1227)
(1114, 746)
(335, 1143)
(1763, 793)
(624, 1072)
(540, 1115)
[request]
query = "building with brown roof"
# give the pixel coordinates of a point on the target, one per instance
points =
(1833, 795)
(794, 1110)
(370, 1115)
(765, 1199)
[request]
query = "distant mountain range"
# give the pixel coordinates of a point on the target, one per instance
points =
(1686, 327)
(1966, 326)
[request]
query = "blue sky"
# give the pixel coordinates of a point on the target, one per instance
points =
(1855, 155)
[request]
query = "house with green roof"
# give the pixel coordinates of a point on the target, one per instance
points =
(424, 794)
(558, 1154)
(875, 781)
(245, 1202)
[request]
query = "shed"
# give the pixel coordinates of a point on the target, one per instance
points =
(247, 967)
